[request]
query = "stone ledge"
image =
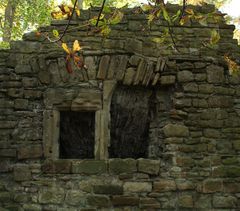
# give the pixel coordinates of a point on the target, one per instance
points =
(94, 167)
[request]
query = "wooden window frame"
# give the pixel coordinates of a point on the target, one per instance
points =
(86, 100)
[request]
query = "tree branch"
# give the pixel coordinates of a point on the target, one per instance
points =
(67, 26)
(100, 13)
(183, 9)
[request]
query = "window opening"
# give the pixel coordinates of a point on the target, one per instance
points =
(130, 121)
(77, 132)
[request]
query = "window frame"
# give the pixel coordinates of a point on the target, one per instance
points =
(87, 99)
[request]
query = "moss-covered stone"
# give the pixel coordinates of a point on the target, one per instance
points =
(89, 167)
(118, 166)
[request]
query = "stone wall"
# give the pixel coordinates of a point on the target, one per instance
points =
(193, 155)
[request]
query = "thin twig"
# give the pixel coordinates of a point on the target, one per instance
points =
(67, 26)
(170, 31)
(183, 9)
(100, 13)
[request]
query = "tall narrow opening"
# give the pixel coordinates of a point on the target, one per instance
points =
(77, 131)
(130, 120)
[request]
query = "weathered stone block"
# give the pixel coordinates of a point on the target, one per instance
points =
(89, 167)
(181, 103)
(149, 203)
(108, 189)
(23, 69)
(44, 77)
(183, 184)
(224, 202)
(185, 201)
(212, 186)
(22, 173)
(118, 166)
(134, 45)
(7, 124)
(236, 145)
(185, 65)
(203, 202)
(185, 76)
(134, 60)
(231, 187)
(226, 171)
(91, 66)
(98, 201)
(190, 87)
(137, 187)
(33, 94)
(103, 67)
(215, 74)
(125, 201)
(51, 195)
(16, 93)
(175, 130)
(6, 104)
(32, 207)
(129, 76)
(149, 166)
(29, 82)
(27, 152)
(140, 72)
(4, 165)
(220, 102)
(8, 153)
(57, 166)
(75, 197)
(211, 133)
(200, 77)
(5, 197)
(200, 103)
(167, 79)
(21, 104)
(184, 161)
(21, 197)
(164, 185)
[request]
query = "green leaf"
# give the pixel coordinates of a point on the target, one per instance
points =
(105, 30)
(166, 15)
(159, 40)
(55, 33)
(146, 7)
(150, 18)
(107, 9)
(116, 18)
(176, 16)
(215, 37)
(203, 21)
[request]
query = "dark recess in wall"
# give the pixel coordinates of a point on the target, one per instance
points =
(130, 119)
(77, 131)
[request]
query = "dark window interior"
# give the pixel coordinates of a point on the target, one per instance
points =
(77, 131)
(130, 122)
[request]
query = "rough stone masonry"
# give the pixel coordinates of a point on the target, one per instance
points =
(193, 144)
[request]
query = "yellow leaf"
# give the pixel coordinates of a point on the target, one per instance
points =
(65, 48)
(232, 65)
(77, 12)
(184, 20)
(66, 9)
(189, 11)
(76, 46)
